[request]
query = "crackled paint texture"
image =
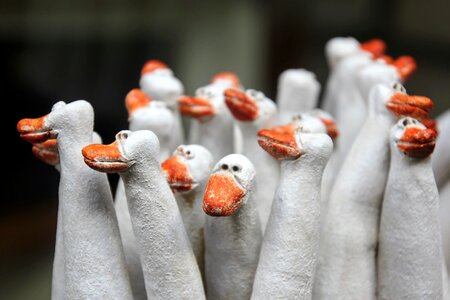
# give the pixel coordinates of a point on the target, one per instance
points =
(187, 172)
(349, 237)
(410, 254)
(294, 222)
(254, 111)
(232, 232)
(94, 267)
(168, 262)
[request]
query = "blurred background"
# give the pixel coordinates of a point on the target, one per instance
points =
(94, 50)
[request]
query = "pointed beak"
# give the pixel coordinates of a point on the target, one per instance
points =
(280, 142)
(406, 66)
(409, 105)
(331, 127)
(135, 100)
(105, 158)
(241, 105)
(35, 130)
(178, 175)
(417, 142)
(47, 152)
(195, 107)
(375, 46)
(223, 195)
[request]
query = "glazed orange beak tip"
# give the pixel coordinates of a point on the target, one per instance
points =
(195, 107)
(417, 142)
(177, 174)
(104, 158)
(241, 106)
(33, 130)
(279, 142)
(223, 196)
(407, 105)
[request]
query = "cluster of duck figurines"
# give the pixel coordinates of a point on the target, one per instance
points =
(264, 199)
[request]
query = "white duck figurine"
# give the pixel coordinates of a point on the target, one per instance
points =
(289, 251)
(440, 159)
(143, 114)
(410, 251)
(211, 116)
(233, 232)
(158, 82)
(94, 266)
(168, 263)
(187, 171)
(254, 111)
(298, 91)
(347, 267)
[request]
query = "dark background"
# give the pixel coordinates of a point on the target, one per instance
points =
(93, 50)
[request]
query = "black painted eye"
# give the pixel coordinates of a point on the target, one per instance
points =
(224, 167)
(236, 168)
(405, 122)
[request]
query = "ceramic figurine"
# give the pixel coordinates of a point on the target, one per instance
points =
(440, 160)
(211, 116)
(253, 111)
(187, 171)
(289, 251)
(232, 232)
(94, 266)
(168, 263)
(298, 91)
(410, 251)
(159, 83)
(350, 233)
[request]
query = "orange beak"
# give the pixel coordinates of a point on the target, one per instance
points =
(34, 130)
(135, 100)
(417, 143)
(153, 65)
(47, 152)
(227, 76)
(408, 105)
(196, 107)
(241, 106)
(280, 142)
(331, 127)
(431, 124)
(177, 175)
(223, 195)
(375, 46)
(105, 158)
(406, 66)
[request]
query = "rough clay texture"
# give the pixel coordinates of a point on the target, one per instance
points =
(298, 91)
(232, 243)
(289, 252)
(347, 267)
(444, 209)
(440, 159)
(94, 262)
(410, 252)
(168, 263)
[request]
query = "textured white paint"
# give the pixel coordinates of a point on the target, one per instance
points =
(440, 159)
(168, 263)
(162, 85)
(444, 209)
(200, 163)
(267, 168)
(298, 91)
(232, 243)
(346, 267)
(289, 251)
(216, 133)
(95, 266)
(410, 250)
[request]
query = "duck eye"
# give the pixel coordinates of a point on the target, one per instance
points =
(224, 167)
(236, 168)
(405, 122)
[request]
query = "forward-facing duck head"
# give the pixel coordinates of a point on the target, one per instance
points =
(250, 106)
(128, 149)
(158, 81)
(188, 168)
(147, 114)
(76, 117)
(413, 139)
(229, 186)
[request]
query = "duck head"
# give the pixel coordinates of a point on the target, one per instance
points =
(402, 104)
(205, 105)
(187, 168)
(158, 81)
(128, 149)
(413, 139)
(228, 186)
(75, 117)
(250, 106)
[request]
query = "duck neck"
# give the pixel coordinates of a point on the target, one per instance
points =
(217, 136)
